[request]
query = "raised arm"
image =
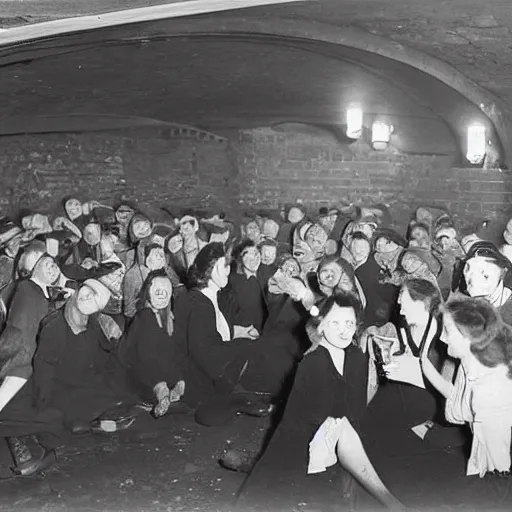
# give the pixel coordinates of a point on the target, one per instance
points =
(442, 385)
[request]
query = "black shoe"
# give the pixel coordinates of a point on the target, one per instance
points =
(38, 465)
(20, 452)
(109, 426)
(237, 460)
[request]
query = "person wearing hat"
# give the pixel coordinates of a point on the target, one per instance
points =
(485, 272)
(28, 306)
(70, 364)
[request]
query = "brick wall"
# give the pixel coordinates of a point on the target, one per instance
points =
(153, 167)
(263, 167)
(278, 167)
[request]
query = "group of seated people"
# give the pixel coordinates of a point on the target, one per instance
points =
(106, 313)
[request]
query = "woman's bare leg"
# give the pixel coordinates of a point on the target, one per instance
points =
(353, 458)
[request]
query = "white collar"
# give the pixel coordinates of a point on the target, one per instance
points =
(41, 285)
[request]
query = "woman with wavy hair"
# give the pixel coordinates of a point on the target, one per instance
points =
(222, 357)
(481, 395)
(320, 423)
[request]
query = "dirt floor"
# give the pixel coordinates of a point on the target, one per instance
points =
(170, 465)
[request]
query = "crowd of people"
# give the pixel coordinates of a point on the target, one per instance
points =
(106, 313)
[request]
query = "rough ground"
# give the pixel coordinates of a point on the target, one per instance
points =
(170, 465)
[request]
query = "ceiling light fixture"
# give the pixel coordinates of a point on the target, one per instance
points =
(476, 143)
(381, 135)
(354, 122)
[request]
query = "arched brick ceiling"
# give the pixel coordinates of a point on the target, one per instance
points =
(247, 82)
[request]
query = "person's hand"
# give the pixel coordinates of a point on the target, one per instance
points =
(366, 336)
(246, 332)
(89, 264)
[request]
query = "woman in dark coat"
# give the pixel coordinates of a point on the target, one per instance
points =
(320, 423)
(70, 365)
(246, 288)
(148, 352)
(222, 353)
(18, 416)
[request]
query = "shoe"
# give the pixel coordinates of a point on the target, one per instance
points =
(81, 429)
(38, 465)
(108, 426)
(22, 455)
(237, 460)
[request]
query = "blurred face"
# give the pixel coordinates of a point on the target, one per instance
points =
(124, 215)
(175, 244)
(141, 228)
(290, 268)
(412, 263)
(365, 228)
(327, 222)
(251, 259)
(252, 231)
(419, 233)
(268, 254)
(345, 283)
(187, 229)
(385, 245)
(47, 271)
(73, 208)
(86, 301)
(413, 311)
(270, 229)
(160, 293)
(220, 273)
(329, 275)
(107, 245)
(360, 249)
(220, 237)
(316, 237)
(92, 234)
(458, 344)
(339, 326)
(482, 276)
(295, 215)
(156, 259)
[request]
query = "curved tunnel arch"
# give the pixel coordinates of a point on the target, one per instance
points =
(495, 110)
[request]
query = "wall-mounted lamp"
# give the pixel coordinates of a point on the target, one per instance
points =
(477, 143)
(354, 122)
(381, 135)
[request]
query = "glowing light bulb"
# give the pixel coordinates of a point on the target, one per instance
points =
(476, 143)
(381, 134)
(354, 122)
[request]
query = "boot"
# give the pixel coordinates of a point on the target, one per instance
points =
(26, 463)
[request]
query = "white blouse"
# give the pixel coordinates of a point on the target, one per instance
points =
(482, 397)
(222, 324)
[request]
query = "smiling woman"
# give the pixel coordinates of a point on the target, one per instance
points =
(319, 427)
(482, 393)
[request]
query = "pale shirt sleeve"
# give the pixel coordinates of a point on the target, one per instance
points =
(491, 404)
